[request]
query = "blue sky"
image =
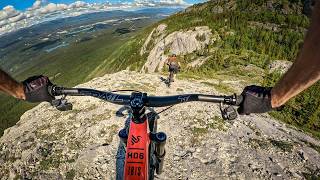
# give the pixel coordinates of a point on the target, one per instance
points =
(23, 4)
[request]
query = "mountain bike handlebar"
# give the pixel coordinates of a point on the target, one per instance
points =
(150, 101)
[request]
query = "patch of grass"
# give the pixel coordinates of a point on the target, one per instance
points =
(218, 123)
(101, 117)
(208, 83)
(42, 132)
(265, 144)
(17, 177)
(283, 145)
(138, 86)
(257, 143)
(70, 161)
(311, 176)
(75, 111)
(228, 63)
(199, 131)
(50, 162)
(75, 145)
(313, 146)
(70, 174)
(179, 89)
(223, 88)
(92, 107)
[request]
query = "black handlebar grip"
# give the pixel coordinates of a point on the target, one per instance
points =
(50, 90)
(239, 100)
(54, 90)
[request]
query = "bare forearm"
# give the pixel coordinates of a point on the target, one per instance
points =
(10, 86)
(306, 69)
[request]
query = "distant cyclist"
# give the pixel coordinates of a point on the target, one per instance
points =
(174, 67)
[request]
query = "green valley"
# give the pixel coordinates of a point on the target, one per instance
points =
(73, 56)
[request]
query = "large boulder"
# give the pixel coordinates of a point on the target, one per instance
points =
(281, 66)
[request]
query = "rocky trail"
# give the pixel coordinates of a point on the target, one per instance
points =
(82, 143)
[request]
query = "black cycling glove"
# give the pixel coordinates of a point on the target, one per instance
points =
(36, 89)
(256, 99)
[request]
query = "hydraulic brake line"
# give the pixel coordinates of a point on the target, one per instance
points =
(157, 113)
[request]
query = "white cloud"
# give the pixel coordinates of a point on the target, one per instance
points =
(8, 12)
(173, 2)
(40, 11)
(160, 3)
(52, 8)
(78, 4)
(36, 5)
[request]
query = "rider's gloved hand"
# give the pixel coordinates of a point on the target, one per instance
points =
(256, 99)
(36, 89)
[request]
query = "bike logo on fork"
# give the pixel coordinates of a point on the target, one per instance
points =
(135, 139)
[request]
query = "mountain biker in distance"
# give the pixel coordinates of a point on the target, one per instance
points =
(173, 65)
(304, 72)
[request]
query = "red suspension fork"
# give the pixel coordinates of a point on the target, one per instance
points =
(137, 151)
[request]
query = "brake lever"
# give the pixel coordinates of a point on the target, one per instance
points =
(62, 104)
(228, 113)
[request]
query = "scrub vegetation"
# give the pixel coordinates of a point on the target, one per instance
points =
(253, 35)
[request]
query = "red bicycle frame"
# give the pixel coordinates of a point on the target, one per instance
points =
(137, 151)
(140, 139)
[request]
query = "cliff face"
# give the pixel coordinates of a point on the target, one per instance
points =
(82, 143)
(180, 42)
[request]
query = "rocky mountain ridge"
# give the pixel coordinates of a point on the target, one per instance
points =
(159, 45)
(82, 143)
(180, 42)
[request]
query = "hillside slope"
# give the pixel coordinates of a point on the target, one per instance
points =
(237, 39)
(82, 143)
